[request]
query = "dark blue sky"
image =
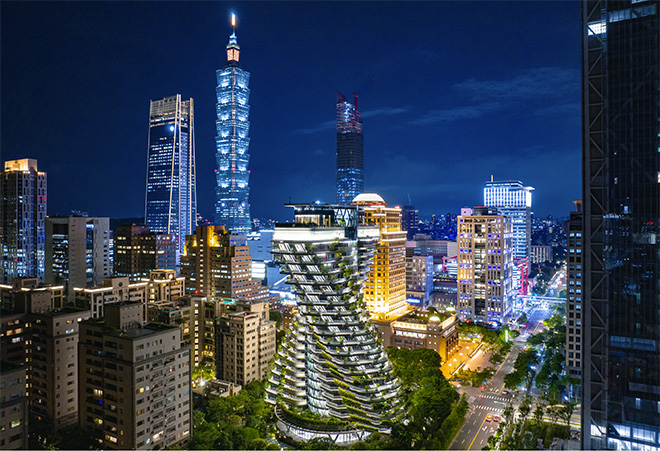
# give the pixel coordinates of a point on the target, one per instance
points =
(450, 93)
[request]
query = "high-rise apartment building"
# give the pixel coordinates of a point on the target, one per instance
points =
(419, 277)
(331, 361)
(574, 247)
(385, 287)
(28, 295)
(514, 201)
(232, 209)
(22, 220)
(136, 381)
(77, 252)
(13, 406)
(160, 287)
(171, 196)
(350, 150)
(138, 251)
(245, 343)
(621, 199)
(52, 353)
(540, 253)
(485, 260)
(409, 220)
(216, 264)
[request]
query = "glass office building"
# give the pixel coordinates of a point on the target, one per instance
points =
(621, 199)
(232, 142)
(171, 200)
(22, 220)
(514, 201)
(350, 151)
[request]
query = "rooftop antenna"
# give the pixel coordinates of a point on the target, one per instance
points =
(409, 200)
(233, 23)
(491, 177)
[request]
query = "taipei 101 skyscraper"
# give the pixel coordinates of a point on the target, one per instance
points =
(232, 127)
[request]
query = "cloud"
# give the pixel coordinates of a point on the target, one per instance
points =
(567, 109)
(385, 111)
(531, 84)
(457, 113)
(559, 84)
(329, 125)
(426, 54)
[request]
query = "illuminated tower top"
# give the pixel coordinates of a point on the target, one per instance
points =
(233, 49)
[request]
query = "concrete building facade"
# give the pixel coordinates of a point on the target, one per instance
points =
(53, 368)
(245, 344)
(13, 406)
(135, 381)
(216, 264)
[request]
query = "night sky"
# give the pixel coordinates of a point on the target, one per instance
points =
(450, 93)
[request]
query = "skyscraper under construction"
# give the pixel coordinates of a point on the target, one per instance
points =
(350, 150)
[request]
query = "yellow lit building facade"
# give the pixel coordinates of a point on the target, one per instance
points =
(385, 288)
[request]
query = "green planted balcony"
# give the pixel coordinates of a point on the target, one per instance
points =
(331, 353)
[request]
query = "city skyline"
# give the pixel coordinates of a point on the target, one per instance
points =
(471, 96)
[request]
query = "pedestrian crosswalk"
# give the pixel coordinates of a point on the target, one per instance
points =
(496, 398)
(494, 410)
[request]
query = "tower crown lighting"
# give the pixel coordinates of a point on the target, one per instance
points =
(233, 49)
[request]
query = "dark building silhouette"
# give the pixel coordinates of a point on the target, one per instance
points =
(621, 199)
(410, 220)
(138, 251)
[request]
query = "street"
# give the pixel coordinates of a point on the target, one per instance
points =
(492, 400)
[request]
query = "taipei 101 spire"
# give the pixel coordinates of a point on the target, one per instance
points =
(232, 209)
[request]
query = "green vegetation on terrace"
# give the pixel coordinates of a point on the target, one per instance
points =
(305, 418)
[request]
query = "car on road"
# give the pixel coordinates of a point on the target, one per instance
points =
(506, 392)
(489, 417)
(496, 419)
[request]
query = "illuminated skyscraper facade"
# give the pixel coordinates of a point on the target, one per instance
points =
(621, 236)
(514, 201)
(385, 287)
(350, 151)
(171, 199)
(22, 220)
(485, 291)
(232, 142)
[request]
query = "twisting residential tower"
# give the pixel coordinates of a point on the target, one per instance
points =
(232, 209)
(331, 361)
